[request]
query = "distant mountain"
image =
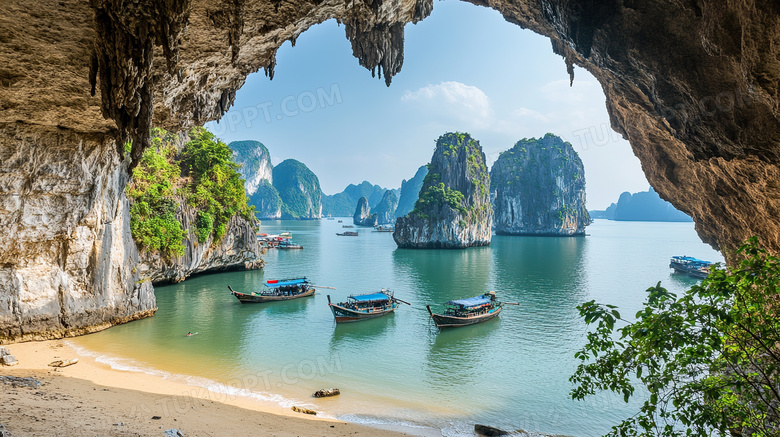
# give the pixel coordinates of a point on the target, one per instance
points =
(255, 161)
(268, 204)
(385, 209)
(642, 206)
(608, 213)
(410, 192)
(343, 204)
(299, 190)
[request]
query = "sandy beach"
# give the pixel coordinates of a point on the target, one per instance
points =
(90, 398)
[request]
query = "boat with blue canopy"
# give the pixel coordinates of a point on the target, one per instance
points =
(464, 312)
(277, 290)
(365, 306)
(693, 267)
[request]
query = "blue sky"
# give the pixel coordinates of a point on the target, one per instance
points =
(465, 69)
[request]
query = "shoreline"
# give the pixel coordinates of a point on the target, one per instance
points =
(92, 398)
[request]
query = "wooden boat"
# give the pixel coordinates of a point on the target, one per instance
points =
(347, 234)
(464, 312)
(384, 228)
(284, 289)
(690, 266)
(365, 306)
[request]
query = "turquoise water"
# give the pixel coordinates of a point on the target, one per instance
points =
(510, 372)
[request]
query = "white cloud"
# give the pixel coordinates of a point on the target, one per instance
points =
(453, 99)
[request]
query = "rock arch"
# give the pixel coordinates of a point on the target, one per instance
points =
(693, 85)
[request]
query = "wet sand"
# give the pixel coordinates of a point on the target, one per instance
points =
(91, 398)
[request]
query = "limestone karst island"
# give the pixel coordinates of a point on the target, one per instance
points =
(387, 218)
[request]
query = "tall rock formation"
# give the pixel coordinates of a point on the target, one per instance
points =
(266, 200)
(410, 192)
(454, 209)
(363, 216)
(299, 189)
(255, 162)
(385, 209)
(539, 188)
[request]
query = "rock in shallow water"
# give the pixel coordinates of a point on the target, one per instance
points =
(488, 431)
(327, 393)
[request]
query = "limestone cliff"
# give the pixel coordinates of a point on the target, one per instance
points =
(363, 216)
(67, 260)
(255, 162)
(299, 190)
(267, 202)
(693, 86)
(238, 249)
(454, 209)
(539, 187)
(385, 209)
(410, 192)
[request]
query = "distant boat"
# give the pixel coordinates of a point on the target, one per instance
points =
(464, 312)
(347, 226)
(278, 289)
(340, 221)
(288, 244)
(384, 228)
(347, 234)
(365, 306)
(693, 267)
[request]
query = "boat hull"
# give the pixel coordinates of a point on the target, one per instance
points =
(443, 321)
(346, 315)
(259, 298)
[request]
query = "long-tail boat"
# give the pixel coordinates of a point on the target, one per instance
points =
(464, 312)
(277, 290)
(365, 306)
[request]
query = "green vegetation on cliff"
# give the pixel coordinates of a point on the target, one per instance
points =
(440, 195)
(216, 187)
(205, 177)
(153, 222)
(434, 192)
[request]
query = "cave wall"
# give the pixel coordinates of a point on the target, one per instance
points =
(67, 261)
(692, 84)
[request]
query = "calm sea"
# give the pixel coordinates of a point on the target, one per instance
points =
(511, 372)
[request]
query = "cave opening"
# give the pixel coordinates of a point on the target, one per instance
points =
(465, 69)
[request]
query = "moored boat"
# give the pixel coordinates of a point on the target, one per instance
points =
(277, 290)
(693, 267)
(288, 244)
(364, 306)
(464, 312)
